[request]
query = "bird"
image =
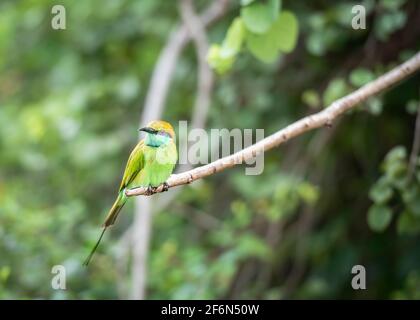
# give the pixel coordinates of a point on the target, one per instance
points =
(149, 165)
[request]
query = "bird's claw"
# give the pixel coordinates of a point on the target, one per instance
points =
(150, 190)
(165, 187)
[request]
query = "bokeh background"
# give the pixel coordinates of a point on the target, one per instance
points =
(70, 106)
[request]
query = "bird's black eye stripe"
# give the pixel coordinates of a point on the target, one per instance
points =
(164, 133)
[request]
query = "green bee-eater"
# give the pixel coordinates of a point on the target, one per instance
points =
(150, 164)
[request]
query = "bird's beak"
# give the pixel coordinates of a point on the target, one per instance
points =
(148, 130)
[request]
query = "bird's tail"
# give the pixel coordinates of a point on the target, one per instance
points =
(115, 210)
(109, 221)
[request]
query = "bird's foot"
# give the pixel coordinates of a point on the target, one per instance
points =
(150, 190)
(165, 187)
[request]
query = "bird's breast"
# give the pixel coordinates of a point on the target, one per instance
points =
(159, 163)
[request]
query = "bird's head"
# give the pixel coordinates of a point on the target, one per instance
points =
(158, 133)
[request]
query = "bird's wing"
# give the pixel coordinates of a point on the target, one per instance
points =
(134, 164)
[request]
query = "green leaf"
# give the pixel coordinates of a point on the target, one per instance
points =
(287, 28)
(375, 105)
(217, 61)
(381, 191)
(411, 197)
(259, 17)
(395, 166)
(308, 192)
(379, 217)
(234, 38)
(341, 13)
(242, 214)
(250, 245)
(412, 106)
(320, 41)
(315, 44)
(361, 76)
(388, 23)
(4, 273)
(263, 46)
(221, 58)
(336, 89)
(395, 154)
(397, 173)
(280, 37)
(408, 224)
(317, 21)
(311, 98)
(392, 4)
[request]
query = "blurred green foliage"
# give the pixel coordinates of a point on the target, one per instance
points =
(70, 102)
(265, 30)
(398, 182)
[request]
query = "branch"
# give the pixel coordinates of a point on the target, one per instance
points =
(196, 28)
(164, 70)
(153, 109)
(204, 86)
(416, 146)
(323, 118)
(205, 76)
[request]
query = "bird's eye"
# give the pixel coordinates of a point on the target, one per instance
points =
(164, 133)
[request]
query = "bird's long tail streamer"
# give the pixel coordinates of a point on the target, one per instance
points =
(89, 257)
(110, 219)
(115, 210)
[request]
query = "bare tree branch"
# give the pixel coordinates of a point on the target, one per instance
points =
(323, 118)
(205, 76)
(153, 109)
(196, 27)
(164, 70)
(416, 146)
(205, 82)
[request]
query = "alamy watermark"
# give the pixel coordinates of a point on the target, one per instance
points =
(58, 281)
(58, 21)
(199, 147)
(358, 282)
(359, 18)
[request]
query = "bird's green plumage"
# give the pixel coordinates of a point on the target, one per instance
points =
(134, 164)
(146, 166)
(150, 164)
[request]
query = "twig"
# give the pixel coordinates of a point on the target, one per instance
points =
(323, 118)
(416, 146)
(164, 70)
(205, 81)
(205, 75)
(153, 109)
(205, 84)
